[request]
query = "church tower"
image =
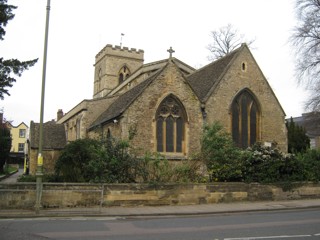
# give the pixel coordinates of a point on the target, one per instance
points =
(113, 65)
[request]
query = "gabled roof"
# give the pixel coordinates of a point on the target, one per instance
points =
(54, 136)
(205, 79)
(123, 102)
(19, 125)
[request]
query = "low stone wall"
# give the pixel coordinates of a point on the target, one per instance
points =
(67, 195)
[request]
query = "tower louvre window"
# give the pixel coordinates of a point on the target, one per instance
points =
(124, 73)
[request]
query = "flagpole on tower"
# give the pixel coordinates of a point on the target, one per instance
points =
(122, 34)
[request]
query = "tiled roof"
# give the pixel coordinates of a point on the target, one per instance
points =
(206, 78)
(54, 136)
(123, 102)
(201, 81)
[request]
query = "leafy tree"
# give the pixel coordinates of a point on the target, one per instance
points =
(5, 145)
(298, 141)
(306, 42)
(9, 66)
(225, 40)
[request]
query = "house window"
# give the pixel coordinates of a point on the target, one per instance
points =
(245, 120)
(170, 126)
(124, 73)
(22, 133)
(21, 147)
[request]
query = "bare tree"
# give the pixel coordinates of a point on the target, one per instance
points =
(306, 42)
(225, 40)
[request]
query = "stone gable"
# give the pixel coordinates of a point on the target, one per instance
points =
(272, 122)
(141, 114)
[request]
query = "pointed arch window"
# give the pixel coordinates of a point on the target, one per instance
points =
(245, 119)
(170, 129)
(124, 73)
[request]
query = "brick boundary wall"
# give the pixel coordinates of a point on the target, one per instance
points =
(68, 195)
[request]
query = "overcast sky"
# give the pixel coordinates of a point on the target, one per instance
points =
(79, 29)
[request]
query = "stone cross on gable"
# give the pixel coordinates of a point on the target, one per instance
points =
(170, 50)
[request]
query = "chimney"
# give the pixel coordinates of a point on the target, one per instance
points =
(59, 114)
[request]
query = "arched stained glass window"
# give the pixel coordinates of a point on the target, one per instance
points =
(170, 129)
(245, 119)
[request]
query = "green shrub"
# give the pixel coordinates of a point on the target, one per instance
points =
(311, 164)
(187, 171)
(222, 158)
(259, 163)
(154, 168)
(88, 160)
(269, 165)
(72, 165)
(115, 164)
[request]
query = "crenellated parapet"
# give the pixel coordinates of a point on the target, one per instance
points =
(113, 64)
(110, 50)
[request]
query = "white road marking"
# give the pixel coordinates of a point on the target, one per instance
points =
(269, 237)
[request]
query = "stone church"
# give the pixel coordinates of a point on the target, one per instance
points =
(162, 106)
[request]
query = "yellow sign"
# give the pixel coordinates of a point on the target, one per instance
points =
(40, 160)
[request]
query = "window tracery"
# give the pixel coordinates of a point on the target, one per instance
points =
(170, 121)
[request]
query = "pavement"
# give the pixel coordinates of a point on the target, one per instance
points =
(12, 178)
(153, 211)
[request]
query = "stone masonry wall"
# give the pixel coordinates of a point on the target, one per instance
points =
(49, 159)
(67, 195)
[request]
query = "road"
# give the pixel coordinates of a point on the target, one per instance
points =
(297, 224)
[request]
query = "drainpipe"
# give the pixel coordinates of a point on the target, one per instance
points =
(204, 113)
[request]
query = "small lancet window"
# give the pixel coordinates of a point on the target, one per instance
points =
(244, 67)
